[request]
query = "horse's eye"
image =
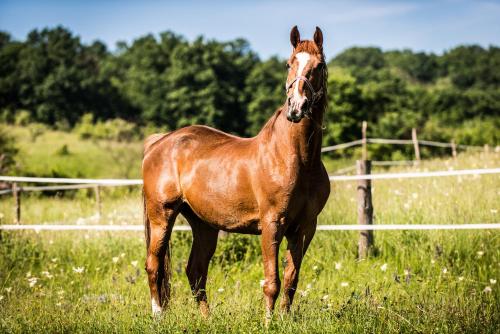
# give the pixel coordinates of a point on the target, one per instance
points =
(288, 66)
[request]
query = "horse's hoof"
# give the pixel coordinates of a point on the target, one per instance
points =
(156, 309)
(204, 309)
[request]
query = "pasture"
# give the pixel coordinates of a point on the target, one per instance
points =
(416, 281)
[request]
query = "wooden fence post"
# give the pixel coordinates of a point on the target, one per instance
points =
(364, 125)
(97, 191)
(415, 144)
(16, 192)
(365, 208)
(453, 149)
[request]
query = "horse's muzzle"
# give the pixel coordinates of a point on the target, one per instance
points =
(296, 111)
(294, 115)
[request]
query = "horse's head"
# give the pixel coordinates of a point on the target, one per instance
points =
(305, 84)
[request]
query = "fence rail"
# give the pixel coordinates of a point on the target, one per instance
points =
(397, 142)
(88, 183)
(377, 227)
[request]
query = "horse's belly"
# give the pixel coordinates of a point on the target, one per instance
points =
(225, 203)
(229, 216)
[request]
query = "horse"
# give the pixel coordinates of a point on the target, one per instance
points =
(273, 185)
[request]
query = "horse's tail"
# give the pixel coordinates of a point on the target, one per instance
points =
(147, 229)
(167, 262)
(167, 269)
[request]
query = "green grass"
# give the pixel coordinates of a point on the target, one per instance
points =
(433, 282)
(43, 155)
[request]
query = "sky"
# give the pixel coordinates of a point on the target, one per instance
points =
(425, 25)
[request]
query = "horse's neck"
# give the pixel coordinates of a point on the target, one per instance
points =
(300, 142)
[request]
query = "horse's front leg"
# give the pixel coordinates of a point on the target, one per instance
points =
(271, 239)
(298, 242)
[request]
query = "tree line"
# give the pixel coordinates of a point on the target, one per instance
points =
(165, 81)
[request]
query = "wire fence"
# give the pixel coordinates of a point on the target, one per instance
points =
(88, 183)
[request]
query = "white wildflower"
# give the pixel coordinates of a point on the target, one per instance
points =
(1, 297)
(220, 290)
(134, 263)
(60, 292)
(406, 272)
(445, 270)
(115, 259)
(315, 268)
(47, 274)
(325, 297)
(383, 267)
(122, 255)
(344, 284)
(433, 261)
(78, 270)
(338, 265)
(487, 289)
(493, 281)
(480, 253)
(8, 290)
(309, 286)
(406, 205)
(460, 278)
(262, 282)
(494, 211)
(80, 221)
(58, 304)
(414, 195)
(28, 274)
(32, 281)
(54, 259)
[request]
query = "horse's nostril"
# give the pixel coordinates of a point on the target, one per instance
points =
(305, 105)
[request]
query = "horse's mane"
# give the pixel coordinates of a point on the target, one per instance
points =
(269, 126)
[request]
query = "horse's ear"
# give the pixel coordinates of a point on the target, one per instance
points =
(318, 37)
(295, 36)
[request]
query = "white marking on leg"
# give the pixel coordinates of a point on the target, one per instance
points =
(303, 58)
(155, 307)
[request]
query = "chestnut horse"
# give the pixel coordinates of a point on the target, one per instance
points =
(273, 184)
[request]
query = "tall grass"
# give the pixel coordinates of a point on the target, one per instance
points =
(418, 281)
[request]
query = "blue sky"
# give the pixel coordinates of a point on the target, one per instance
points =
(420, 25)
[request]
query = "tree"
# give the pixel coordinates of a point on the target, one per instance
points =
(265, 87)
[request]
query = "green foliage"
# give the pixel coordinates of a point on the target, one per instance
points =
(8, 151)
(164, 82)
(265, 89)
(112, 129)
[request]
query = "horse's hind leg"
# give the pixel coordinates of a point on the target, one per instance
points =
(202, 250)
(159, 223)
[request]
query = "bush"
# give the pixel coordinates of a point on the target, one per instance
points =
(113, 129)
(23, 117)
(8, 151)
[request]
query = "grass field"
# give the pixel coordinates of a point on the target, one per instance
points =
(418, 281)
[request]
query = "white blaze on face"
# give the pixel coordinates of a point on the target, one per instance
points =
(155, 307)
(303, 59)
